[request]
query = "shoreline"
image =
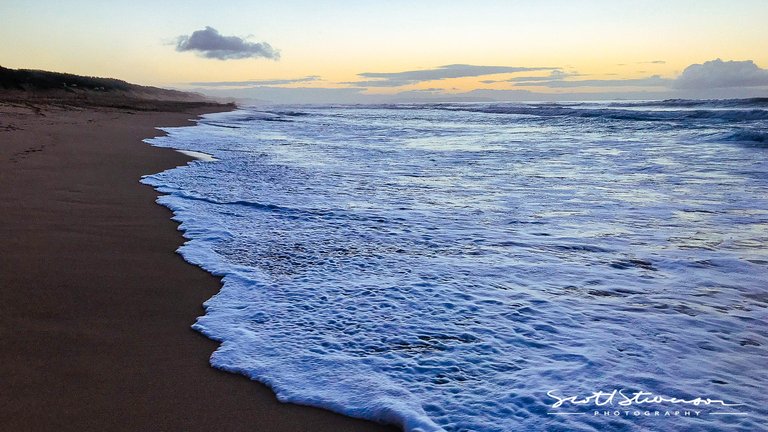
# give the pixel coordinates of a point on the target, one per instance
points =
(98, 306)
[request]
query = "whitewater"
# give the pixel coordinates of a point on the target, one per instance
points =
(460, 267)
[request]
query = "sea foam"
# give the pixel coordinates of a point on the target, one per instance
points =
(444, 267)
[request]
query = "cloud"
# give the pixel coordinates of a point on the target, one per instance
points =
(397, 79)
(745, 74)
(295, 95)
(652, 81)
(256, 83)
(320, 95)
(710, 75)
(555, 75)
(722, 74)
(209, 43)
(428, 90)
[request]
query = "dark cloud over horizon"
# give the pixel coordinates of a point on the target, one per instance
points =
(715, 79)
(722, 74)
(209, 43)
(397, 79)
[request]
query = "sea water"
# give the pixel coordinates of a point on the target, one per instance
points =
(465, 267)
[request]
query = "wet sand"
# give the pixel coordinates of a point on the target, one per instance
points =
(96, 306)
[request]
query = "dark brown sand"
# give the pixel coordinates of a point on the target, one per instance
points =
(95, 306)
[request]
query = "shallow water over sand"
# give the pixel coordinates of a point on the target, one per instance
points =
(457, 266)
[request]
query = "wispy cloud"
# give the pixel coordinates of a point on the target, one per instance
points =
(556, 74)
(397, 79)
(256, 83)
(295, 95)
(209, 43)
(652, 81)
(722, 74)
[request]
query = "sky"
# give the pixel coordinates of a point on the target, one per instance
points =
(357, 51)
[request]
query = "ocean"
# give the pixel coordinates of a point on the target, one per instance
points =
(488, 266)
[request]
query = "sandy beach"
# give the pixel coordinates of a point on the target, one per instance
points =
(487, 216)
(97, 307)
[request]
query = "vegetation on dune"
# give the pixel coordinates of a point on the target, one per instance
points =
(35, 85)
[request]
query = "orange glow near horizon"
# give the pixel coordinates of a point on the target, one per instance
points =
(336, 41)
